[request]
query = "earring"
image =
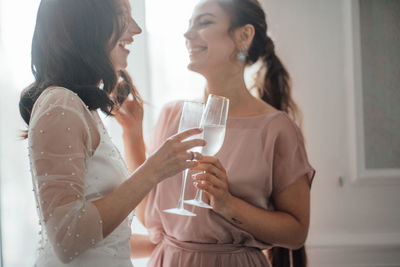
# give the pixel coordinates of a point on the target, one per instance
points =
(241, 56)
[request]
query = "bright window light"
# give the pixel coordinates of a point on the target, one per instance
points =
(18, 20)
(166, 22)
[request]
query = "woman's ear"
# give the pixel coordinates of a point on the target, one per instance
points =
(244, 35)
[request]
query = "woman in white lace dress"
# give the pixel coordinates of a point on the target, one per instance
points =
(84, 191)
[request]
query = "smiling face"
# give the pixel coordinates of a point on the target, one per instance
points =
(119, 54)
(210, 45)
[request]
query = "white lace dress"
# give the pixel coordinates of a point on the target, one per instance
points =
(73, 163)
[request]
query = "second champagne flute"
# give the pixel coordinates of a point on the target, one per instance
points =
(213, 123)
(190, 118)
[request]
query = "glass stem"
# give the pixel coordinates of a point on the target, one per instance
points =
(181, 198)
(199, 195)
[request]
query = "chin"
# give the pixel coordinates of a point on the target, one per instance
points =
(196, 67)
(122, 66)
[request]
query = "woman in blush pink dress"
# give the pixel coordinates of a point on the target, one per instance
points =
(259, 182)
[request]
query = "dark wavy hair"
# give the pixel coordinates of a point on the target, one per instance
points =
(273, 85)
(71, 48)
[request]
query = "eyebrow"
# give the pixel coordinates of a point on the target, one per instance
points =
(202, 15)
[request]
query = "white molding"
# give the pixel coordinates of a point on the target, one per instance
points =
(360, 174)
(331, 240)
(354, 257)
(354, 250)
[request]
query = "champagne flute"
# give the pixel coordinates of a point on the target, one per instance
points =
(213, 123)
(190, 118)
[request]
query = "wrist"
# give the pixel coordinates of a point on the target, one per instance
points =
(228, 209)
(132, 135)
(152, 172)
(132, 131)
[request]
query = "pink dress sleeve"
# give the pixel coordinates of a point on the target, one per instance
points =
(159, 133)
(290, 160)
(60, 141)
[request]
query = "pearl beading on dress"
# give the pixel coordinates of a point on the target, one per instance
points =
(62, 112)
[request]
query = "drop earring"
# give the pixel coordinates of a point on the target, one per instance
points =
(241, 56)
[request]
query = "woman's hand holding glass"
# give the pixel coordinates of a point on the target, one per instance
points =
(173, 155)
(214, 181)
(213, 122)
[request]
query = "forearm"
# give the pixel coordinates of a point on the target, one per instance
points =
(135, 150)
(117, 205)
(141, 246)
(140, 210)
(274, 227)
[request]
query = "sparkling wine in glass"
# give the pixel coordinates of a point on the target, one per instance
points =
(213, 123)
(190, 118)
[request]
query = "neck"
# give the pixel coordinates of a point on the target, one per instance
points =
(231, 86)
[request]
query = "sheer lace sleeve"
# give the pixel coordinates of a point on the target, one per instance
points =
(61, 135)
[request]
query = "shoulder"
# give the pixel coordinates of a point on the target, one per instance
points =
(280, 121)
(60, 108)
(173, 107)
(171, 110)
(61, 100)
(57, 92)
(165, 125)
(59, 96)
(283, 130)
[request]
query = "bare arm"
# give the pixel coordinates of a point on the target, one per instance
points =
(140, 210)
(135, 151)
(287, 226)
(171, 158)
(130, 117)
(127, 196)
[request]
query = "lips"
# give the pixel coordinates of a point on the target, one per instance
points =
(196, 49)
(125, 42)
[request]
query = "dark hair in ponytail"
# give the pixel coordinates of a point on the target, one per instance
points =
(275, 88)
(273, 85)
(272, 80)
(71, 47)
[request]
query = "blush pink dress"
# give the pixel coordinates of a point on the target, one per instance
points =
(262, 154)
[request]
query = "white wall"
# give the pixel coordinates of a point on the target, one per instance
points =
(358, 223)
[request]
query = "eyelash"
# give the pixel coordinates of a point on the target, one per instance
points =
(204, 23)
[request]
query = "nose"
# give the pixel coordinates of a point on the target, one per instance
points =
(134, 28)
(189, 34)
